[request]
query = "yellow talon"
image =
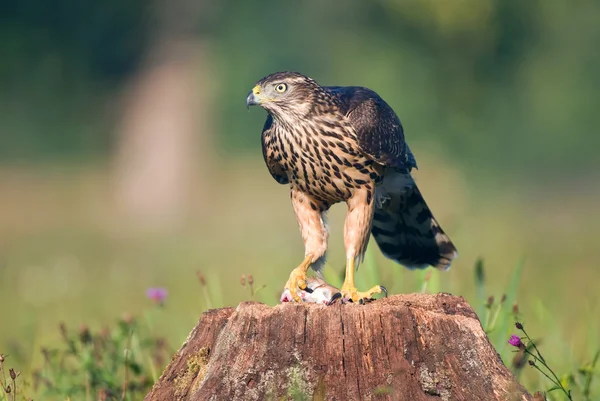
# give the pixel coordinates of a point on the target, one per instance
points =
(349, 291)
(298, 278)
(353, 294)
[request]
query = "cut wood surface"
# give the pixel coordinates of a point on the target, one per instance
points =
(405, 347)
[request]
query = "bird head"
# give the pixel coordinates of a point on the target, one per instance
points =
(284, 95)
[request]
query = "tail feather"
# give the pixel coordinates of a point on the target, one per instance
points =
(405, 229)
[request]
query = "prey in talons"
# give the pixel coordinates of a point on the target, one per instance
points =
(317, 291)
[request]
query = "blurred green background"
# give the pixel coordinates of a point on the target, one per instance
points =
(128, 159)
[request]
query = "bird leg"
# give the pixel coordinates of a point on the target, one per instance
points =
(357, 229)
(311, 220)
(298, 278)
(349, 291)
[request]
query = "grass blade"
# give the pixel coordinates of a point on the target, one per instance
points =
(503, 329)
(480, 287)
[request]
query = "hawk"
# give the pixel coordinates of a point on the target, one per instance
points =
(335, 144)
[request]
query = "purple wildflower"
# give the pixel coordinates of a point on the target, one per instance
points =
(158, 295)
(515, 341)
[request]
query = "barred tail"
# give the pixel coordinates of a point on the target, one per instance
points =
(405, 229)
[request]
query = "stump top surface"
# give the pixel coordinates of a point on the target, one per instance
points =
(405, 347)
(441, 302)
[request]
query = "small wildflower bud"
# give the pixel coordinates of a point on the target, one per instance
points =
(7, 389)
(518, 325)
(515, 341)
(201, 278)
(12, 373)
(515, 309)
(2, 359)
(127, 318)
(490, 301)
(63, 331)
(250, 279)
(503, 299)
(84, 334)
(531, 363)
(243, 280)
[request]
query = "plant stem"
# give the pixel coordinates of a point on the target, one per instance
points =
(487, 318)
(495, 318)
(126, 379)
(541, 357)
(589, 376)
(538, 358)
(534, 346)
(3, 381)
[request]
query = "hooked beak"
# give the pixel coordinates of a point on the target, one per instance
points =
(253, 98)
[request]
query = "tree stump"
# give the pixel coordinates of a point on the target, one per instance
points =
(406, 347)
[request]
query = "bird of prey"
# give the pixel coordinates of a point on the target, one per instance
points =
(335, 144)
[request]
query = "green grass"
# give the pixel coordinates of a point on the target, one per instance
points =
(67, 256)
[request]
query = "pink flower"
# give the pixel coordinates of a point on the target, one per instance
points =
(158, 295)
(515, 341)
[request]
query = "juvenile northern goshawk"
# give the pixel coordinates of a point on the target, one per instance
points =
(334, 144)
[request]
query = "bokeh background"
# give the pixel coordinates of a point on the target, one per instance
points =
(128, 159)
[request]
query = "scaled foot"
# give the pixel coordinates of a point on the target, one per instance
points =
(350, 293)
(297, 280)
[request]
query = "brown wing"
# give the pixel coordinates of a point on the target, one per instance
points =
(272, 153)
(379, 131)
(403, 226)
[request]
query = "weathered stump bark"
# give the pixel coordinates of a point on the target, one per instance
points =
(406, 347)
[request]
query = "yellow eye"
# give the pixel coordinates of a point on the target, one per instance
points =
(281, 88)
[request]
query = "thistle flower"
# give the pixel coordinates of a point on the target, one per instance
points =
(158, 295)
(515, 341)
